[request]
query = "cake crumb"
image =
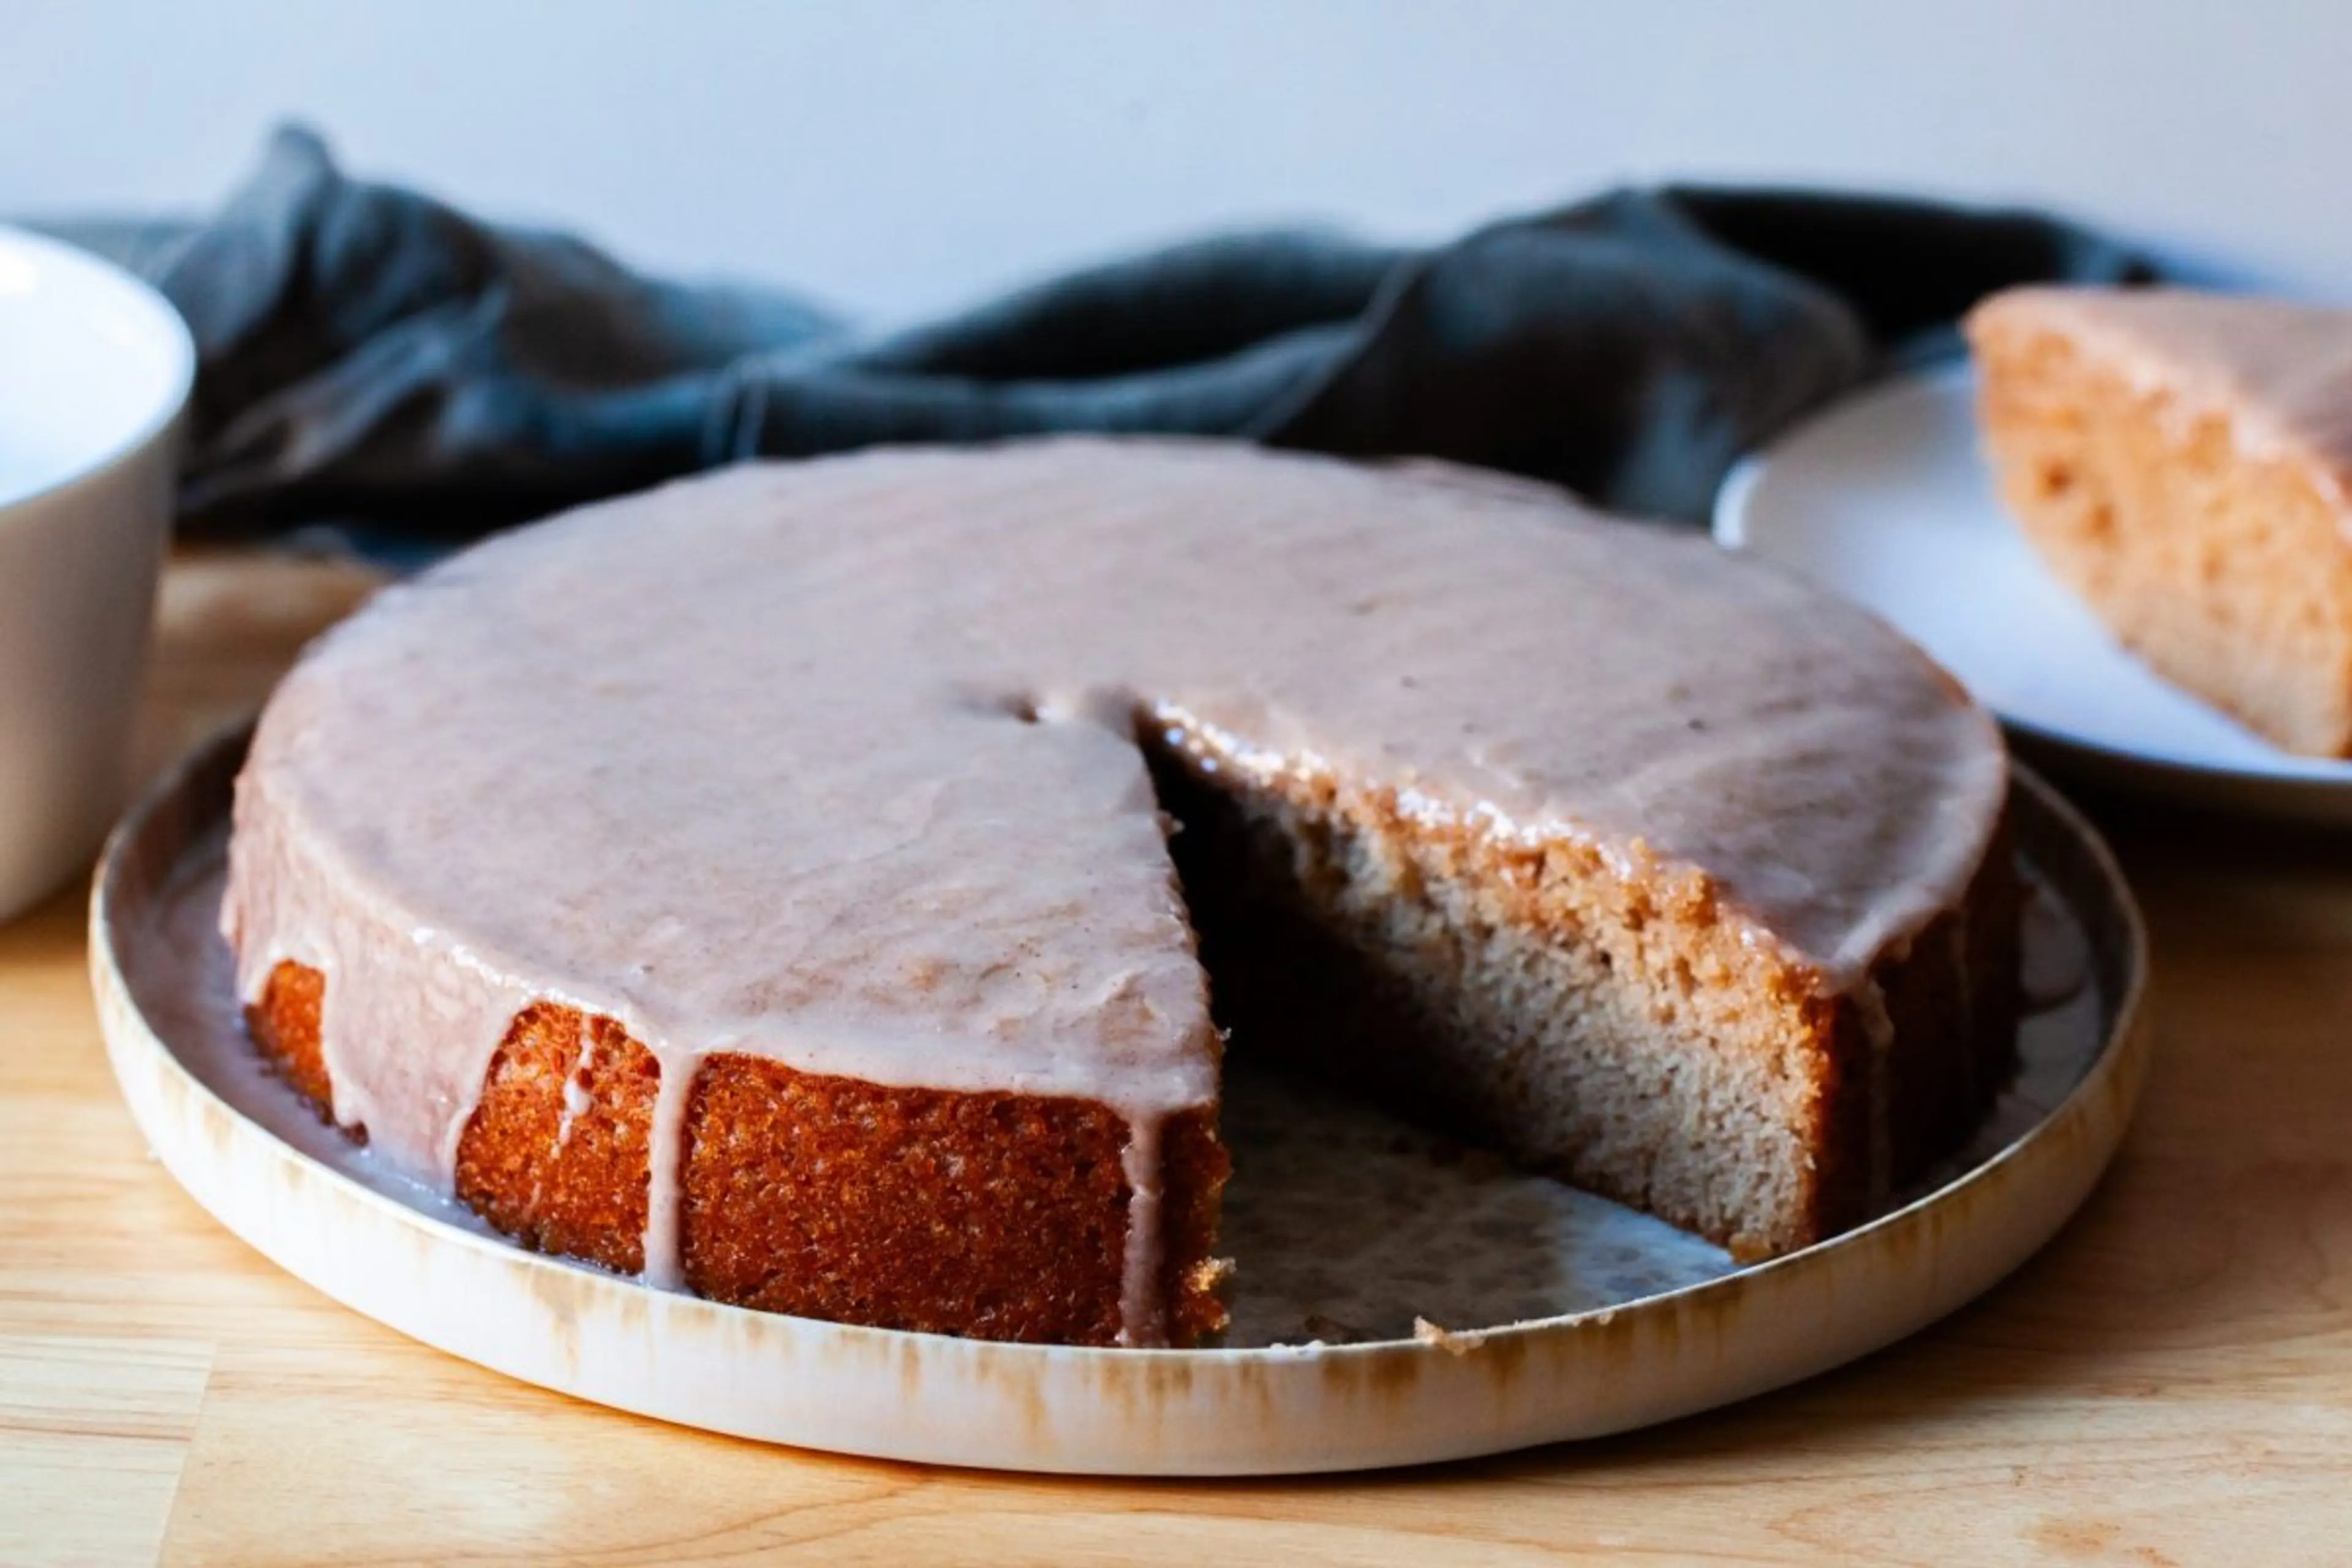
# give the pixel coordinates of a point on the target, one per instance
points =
(1446, 1340)
(1209, 1276)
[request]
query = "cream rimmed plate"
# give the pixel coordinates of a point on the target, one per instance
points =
(1886, 499)
(1625, 1322)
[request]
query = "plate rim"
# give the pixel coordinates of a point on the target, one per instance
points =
(2098, 1106)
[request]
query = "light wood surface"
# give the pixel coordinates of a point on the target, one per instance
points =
(2169, 1383)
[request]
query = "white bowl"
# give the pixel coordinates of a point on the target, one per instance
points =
(94, 374)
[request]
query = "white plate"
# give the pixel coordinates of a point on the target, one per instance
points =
(1886, 499)
(1652, 1326)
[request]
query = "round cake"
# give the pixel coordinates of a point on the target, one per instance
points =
(829, 887)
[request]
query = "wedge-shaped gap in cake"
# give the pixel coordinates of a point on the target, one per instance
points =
(1613, 1026)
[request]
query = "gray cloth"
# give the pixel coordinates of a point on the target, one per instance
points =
(369, 353)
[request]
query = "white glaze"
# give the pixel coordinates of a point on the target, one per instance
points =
(742, 763)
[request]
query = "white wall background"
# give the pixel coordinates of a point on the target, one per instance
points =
(901, 157)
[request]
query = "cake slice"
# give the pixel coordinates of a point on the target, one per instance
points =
(2183, 461)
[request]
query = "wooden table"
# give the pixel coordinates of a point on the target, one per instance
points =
(2170, 1383)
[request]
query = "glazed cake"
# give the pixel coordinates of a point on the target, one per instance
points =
(826, 887)
(2183, 462)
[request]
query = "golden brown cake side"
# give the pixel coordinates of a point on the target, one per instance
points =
(992, 1215)
(2208, 535)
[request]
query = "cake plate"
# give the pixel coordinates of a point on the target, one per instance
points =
(1618, 1320)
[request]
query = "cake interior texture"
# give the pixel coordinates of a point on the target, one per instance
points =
(2215, 553)
(1611, 1029)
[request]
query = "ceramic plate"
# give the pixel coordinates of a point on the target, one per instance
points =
(1398, 1301)
(1886, 499)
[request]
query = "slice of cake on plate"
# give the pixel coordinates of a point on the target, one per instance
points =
(2183, 461)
